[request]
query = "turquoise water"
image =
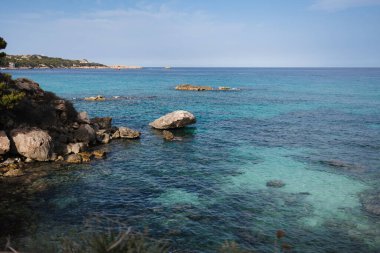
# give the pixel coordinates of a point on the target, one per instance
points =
(210, 187)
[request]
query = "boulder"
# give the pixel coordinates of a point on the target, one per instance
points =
(85, 133)
(128, 133)
(83, 118)
(5, 144)
(169, 136)
(174, 119)
(102, 123)
(192, 87)
(33, 143)
(74, 158)
(275, 183)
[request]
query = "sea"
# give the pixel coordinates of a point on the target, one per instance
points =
(315, 129)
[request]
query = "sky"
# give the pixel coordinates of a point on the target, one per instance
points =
(197, 33)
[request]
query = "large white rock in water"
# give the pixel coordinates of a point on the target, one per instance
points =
(33, 143)
(5, 144)
(174, 119)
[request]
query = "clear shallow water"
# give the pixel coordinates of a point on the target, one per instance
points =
(211, 186)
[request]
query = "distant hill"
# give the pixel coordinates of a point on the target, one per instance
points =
(40, 61)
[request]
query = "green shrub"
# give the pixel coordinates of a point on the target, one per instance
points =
(9, 98)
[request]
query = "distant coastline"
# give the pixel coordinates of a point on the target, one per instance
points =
(14, 62)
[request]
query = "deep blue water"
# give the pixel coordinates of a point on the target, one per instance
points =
(284, 123)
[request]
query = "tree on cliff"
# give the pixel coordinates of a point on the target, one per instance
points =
(3, 44)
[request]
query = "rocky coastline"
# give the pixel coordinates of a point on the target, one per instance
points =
(43, 127)
(46, 128)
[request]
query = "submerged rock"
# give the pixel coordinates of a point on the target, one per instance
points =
(174, 119)
(371, 203)
(33, 143)
(14, 173)
(275, 183)
(5, 144)
(344, 166)
(192, 87)
(169, 136)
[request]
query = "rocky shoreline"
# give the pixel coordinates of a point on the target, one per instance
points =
(46, 128)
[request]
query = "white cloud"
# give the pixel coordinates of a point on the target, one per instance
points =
(337, 5)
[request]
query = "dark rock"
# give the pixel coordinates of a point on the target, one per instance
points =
(85, 133)
(83, 118)
(102, 123)
(169, 136)
(275, 183)
(28, 86)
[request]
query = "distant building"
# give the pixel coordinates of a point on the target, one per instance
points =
(84, 61)
(11, 65)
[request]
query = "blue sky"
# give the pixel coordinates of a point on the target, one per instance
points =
(266, 33)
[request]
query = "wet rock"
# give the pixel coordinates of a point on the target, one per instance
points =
(371, 202)
(102, 123)
(97, 98)
(33, 143)
(174, 119)
(5, 144)
(191, 87)
(169, 136)
(85, 133)
(74, 158)
(83, 118)
(76, 148)
(128, 133)
(99, 154)
(275, 183)
(14, 173)
(86, 156)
